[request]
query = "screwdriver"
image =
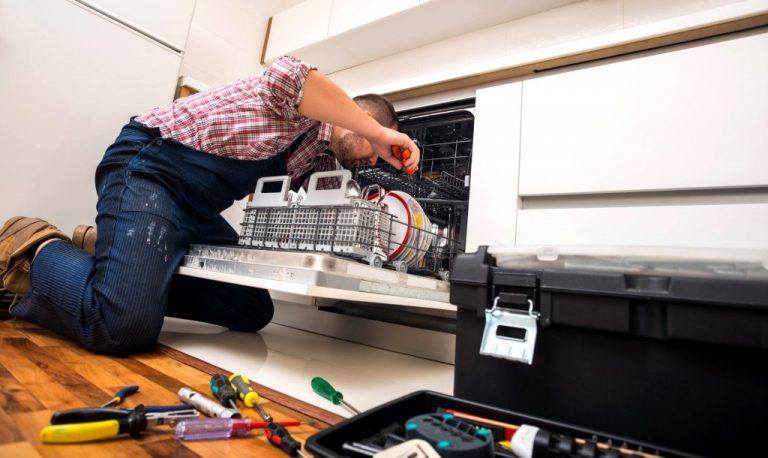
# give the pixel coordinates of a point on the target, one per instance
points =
(223, 391)
(276, 433)
(221, 428)
(326, 390)
(402, 154)
(250, 398)
(120, 395)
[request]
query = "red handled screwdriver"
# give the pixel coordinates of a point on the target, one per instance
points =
(401, 155)
(276, 433)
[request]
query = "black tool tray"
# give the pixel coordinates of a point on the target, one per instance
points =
(664, 349)
(328, 443)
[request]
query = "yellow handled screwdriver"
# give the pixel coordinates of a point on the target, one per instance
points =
(276, 433)
(245, 392)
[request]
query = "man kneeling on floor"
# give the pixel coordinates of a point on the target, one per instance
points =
(161, 187)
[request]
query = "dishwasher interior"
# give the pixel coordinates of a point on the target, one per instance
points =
(444, 134)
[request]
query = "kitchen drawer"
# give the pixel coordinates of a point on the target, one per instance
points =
(666, 120)
(727, 226)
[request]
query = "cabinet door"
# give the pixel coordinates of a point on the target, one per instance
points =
(493, 199)
(690, 118)
(742, 226)
(167, 21)
(69, 79)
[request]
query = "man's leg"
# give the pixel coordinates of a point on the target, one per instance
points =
(113, 302)
(240, 308)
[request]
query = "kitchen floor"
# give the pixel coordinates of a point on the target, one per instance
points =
(286, 359)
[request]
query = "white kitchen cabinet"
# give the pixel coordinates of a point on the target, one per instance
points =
(298, 27)
(69, 80)
(349, 14)
(493, 201)
(739, 226)
(339, 34)
(167, 21)
(691, 118)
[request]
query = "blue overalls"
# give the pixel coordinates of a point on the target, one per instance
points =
(155, 198)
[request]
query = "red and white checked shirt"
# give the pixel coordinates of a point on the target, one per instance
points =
(253, 118)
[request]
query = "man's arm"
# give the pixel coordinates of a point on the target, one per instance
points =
(325, 101)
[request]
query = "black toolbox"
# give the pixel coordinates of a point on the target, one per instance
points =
(662, 350)
(557, 440)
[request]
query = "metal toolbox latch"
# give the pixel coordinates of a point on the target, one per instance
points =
(517, 338)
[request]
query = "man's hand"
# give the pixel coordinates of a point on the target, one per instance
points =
(387, 138)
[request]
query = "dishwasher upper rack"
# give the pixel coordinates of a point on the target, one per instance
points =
(335, 222)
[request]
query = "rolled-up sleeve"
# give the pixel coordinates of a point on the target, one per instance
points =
(283, 82)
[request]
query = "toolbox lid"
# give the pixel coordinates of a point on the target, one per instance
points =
(641, 260)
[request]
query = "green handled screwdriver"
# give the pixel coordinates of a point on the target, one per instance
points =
(326, 390)
(222, 389)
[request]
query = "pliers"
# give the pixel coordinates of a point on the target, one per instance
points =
(89, 424)
(129, 390)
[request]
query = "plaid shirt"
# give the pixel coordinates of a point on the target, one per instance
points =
(253, 118)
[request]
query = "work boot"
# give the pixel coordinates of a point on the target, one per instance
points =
(84, 237)
(19, 238)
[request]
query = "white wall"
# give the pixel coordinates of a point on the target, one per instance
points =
(226, 39)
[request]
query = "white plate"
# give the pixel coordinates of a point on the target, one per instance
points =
(420, 239)
(401, 224)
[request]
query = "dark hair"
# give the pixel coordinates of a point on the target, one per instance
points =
(381, 109)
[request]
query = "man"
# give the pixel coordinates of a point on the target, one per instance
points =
(161, 187)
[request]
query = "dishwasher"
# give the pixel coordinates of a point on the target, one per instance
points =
(337, 244)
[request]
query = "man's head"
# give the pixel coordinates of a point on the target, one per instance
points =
(352, 149)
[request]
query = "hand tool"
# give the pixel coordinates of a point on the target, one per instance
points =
(401, 155)
(246, 393)
(221, 428)
(278, 436)
(326, 390)
(121, 395)
(276, 433)
(84, 425)
(222, 389)
(206, 405)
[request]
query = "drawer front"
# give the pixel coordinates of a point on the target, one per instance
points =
(691, 118)
(726, 226)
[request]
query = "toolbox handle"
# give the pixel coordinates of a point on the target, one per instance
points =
(337, 196)
(271, 199)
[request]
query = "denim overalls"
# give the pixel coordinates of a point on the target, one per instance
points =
(155, 198)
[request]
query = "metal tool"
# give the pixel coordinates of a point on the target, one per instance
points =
(248, 395)
(85, 425)
(223, 391)
(221, 428)
(206, 405)
(276, 433)
(326, 390)
(121, 395)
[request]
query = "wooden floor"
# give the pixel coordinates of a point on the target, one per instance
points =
(41, 372)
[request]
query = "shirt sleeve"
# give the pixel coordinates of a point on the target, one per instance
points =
(282, 84)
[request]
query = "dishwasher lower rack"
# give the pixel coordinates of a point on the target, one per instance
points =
(335, 221)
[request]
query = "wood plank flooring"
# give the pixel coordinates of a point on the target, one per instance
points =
(41, 372)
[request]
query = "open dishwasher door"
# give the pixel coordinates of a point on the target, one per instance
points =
(318, 247)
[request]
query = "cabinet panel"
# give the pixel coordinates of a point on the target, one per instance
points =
(493, 201)
(65, 96)
(348, 14)
(298, 27)
(684, 119)
(168, 20)
(726, 226)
